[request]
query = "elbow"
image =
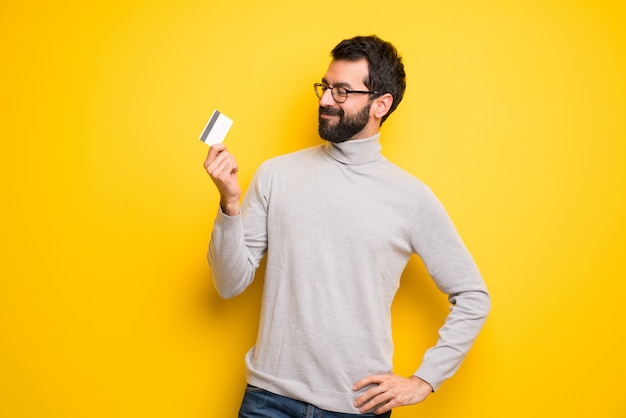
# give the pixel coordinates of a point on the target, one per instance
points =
(486, 304)
(477, 303)
(482, 304)
(229, 284)
(227, 291)
(231, 275)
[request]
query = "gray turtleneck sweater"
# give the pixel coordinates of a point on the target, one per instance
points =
(339, 223)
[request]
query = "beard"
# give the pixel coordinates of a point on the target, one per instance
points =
(346, 127)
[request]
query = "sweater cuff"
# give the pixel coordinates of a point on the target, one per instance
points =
(430, 375)
(220, 212)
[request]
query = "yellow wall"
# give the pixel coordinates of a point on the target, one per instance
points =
(515, 115)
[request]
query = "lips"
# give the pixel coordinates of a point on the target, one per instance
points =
(330, 111)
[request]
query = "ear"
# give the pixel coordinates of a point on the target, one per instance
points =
(381, 105)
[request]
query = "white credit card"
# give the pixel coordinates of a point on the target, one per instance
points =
(216, 129)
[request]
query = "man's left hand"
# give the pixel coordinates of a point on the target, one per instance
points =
(391, 391)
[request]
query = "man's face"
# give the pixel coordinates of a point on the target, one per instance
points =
(339, 122)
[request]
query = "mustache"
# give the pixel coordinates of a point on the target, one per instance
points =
(331, 111)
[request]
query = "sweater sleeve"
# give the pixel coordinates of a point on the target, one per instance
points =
(455, 273)
(239, 243)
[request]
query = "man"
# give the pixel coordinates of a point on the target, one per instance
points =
(338, 223)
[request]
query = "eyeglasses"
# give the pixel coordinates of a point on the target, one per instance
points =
(340, 94)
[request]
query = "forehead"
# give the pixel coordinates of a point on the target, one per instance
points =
(347, 73)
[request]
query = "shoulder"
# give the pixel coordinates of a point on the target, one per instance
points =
(397, 175)
(292, 159)
(409, 193)
(295, 156)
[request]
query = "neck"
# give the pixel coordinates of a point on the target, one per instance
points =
(355, 151)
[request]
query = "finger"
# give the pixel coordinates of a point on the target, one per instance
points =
(213, 153)
(223, 169)
(368, 398)
(217, 163)
(369, 380)
(377, 403)
(385, 408)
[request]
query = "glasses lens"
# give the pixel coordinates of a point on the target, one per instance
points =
(340, 94)
(319, 89)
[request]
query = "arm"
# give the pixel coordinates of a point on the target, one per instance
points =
(222, 167)
(451, 266)
(455, 273)
(238, 240)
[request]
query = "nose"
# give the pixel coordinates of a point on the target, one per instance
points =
(327, 99)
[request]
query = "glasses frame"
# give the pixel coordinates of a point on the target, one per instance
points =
(324, 87)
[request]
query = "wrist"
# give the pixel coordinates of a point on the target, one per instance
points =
(422, 384)
(230, 208)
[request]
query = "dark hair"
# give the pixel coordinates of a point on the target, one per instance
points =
(386, 70)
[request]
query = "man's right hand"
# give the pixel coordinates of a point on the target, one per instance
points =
(222, 167)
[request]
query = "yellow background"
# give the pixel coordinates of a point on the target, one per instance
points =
(514, 115)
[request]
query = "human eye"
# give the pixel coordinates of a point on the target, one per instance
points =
(341, 91)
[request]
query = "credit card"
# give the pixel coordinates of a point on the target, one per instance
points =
(216, 128)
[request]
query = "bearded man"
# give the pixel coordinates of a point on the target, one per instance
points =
(338, 223)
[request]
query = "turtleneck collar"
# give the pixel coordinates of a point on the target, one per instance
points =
(355, 151)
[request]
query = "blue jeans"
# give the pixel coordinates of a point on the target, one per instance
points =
(259, 403)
